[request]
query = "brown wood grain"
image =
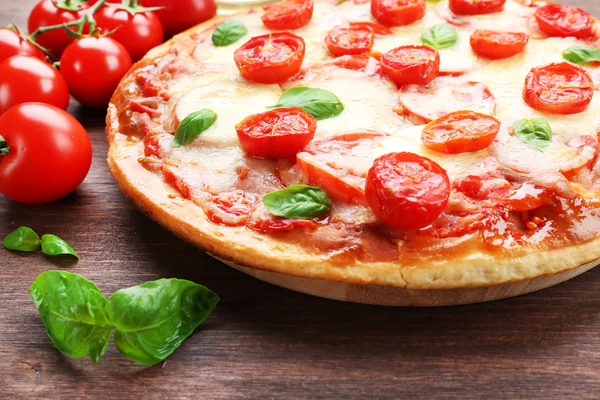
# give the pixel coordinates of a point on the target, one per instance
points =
(267, 342)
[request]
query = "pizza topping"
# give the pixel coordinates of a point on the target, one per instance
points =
(498, 45)
(349, 40)
(407, 191)
(564, 21)
(536, 132)
(460, 132)
(274, 134)
(193, 125)
(476, 7)
(440, 36)
(228, 32)
(559, 88)
(398, 12)
(298, 201)
(582, 54)
(271, 58)
(291, 14)
(406, 65)
(319, 103)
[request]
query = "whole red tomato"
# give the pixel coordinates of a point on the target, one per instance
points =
(138, 33)
(12, 44)
(49, 12)
(45, 153)
(93, 67)
(179, 15)
(25, 79)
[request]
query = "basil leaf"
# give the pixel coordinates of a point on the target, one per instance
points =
(581, 54)
(298, 201)
(52, 245)
(22, 239)
(440, 36)
(4, 148)
(193, 125)
(229, 32)
(73, 311)
(536, 132)
(153, 319)
(319, 103)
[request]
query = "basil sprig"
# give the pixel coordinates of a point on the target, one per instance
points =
(440, 36)
(52, 245)
(150, 320)
(581, 54)
(228, 32)
(536, 132)
(193, 125)
(22, 239)
(4, 148)
(298, 201)
(319, 103)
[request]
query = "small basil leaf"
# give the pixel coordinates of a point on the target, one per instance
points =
(4, 148)
(193, 125)
(22, 239)
(536, 132)
(52, 245)
(298, 201)
(229, 32)
(73, 311)
(440, 36)
(153, 319)
(581, 54)
(319, 103)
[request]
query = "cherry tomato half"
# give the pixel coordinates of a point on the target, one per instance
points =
(279, 133)
(559, 88)
(398, 12)
(49, 153)
(407, 191)
(178, 15)
(291, 14)
(25, 79)
(349, 40)
(411, 65)
(93, 68)
(460, 132)
(12, 44)
(563, 21)
(476, 7)
(498, 45)
(271, 58)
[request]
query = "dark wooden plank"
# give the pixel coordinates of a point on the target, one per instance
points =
(264, 341)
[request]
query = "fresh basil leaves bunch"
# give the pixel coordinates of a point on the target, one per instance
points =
(25, 239)
(440, 36)
(319, 103)
(536, 132)
(150, 321)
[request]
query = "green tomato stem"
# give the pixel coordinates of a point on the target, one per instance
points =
(88, 17)
(4, 148)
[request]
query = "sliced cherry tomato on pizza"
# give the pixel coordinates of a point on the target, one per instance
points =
(398, 12)
(476, 7)
(291, 14)
(348, 40)
(407, 191)
(498, 45)
(279, 133)
(460, 132)
(377, 29)
(407, 65)
(12, 44)
(271, 58)
(423, 104)
(559, 88)
(564, 21)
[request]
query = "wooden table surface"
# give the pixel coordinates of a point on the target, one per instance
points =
(267, 342)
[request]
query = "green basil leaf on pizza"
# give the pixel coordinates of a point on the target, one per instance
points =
(440, 36)
(581, 54)
(228, 32)
(298, 202)
(319, 103)
(22, 239)
(536, 132)
(193, 125)
(52, 245)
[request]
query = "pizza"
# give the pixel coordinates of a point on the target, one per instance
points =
(408, 144)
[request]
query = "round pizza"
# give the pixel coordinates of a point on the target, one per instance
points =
(409, 144)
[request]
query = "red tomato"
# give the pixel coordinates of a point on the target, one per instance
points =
(407, 191)
(93, 68)
(559, 88)
(178, 15)
(561, 20)
(476, 7)
(49, 154)
(271, 58)
(398, 12)
(460, 132)
(46, 13)
(12, 44)
(25, 79)
(411, 65)
(348, 40)
(138, 33)
(498, 45)
(279, 133)
(377, 29)
(291, 14)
